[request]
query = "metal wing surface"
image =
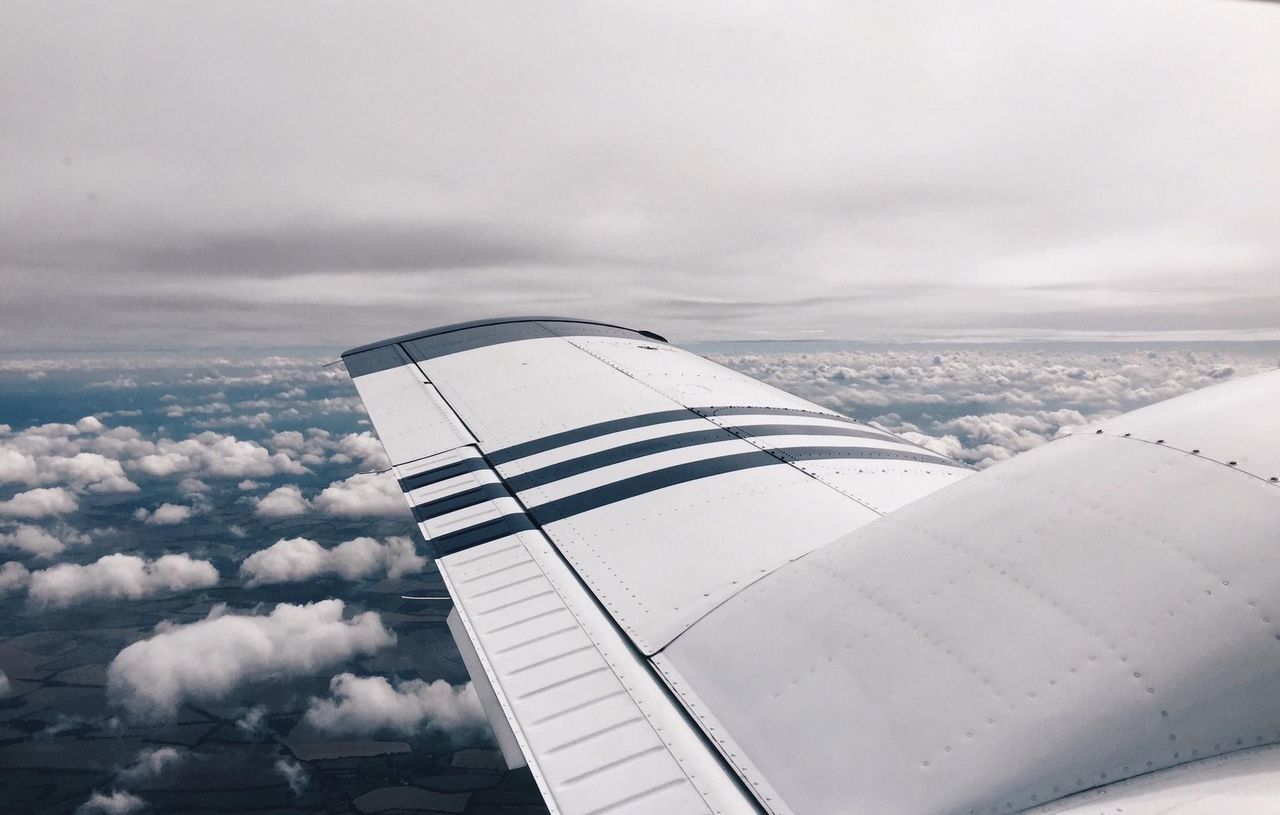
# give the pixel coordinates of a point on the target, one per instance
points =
(682, 590)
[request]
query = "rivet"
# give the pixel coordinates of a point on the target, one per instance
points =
(1097, 432)
(1197, 450)
(1232, 463)
(1159, 441)
(1127, 435)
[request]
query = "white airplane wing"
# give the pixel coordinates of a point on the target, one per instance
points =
(682, 590)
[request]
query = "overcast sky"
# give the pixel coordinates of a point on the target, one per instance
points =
(315, 174)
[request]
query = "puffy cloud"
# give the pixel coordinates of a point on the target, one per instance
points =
(40, 503)
(118, 802)
(151, 763)
(253, 724)
(32, 540)
(13, 577)
(363, 495)
(215, 455)
(282, 502)
(118, 576)
(361, 706)
(364, 448)
(192, 487)
(91, 471)
(90, 424)
(17, 467)
(208, 659)
(294, 774)
(249, 484)
(298, 559)
(165, 515)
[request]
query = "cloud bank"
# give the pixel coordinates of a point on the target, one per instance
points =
(363, 705)
(209, 659)
(118, 577)
(297, 559)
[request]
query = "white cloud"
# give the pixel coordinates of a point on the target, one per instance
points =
(40, 503)
(298, 559)
(207, 660)
(17, 467)
(360, 706)
(32, 540)
(165, 515)
(90, 424)
(118, 576)
(282, 502)
(215, 455)
(151, 763)
(118, 802)
(363, 495)
(294, 774)
(253, 724)
(192, 487)
(13, 577)
(249, 484)
(79, 470)
(365, 448)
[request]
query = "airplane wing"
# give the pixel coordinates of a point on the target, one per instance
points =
(682, 590)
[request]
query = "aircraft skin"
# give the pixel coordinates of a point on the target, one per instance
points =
(681, 590)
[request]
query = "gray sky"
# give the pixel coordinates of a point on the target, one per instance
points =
(300, 174)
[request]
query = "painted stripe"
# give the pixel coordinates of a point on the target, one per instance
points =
(467, 465)
(460, 500)
(591, 431)
(692, 471)
(481, 533)
(647, 447)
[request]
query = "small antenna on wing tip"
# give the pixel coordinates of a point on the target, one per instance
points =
(413, 597)
(331, 364)
(375, 472)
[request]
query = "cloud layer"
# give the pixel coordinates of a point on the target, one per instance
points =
(118, 577)
(211, 658)
(364, 705)
(298, 559)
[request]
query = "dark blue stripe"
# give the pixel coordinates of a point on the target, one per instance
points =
(450, 339)
(467, 465)
(461, 500)
(480, 534)
(374, 360)
(681, 473)
(591, 431)
(647, 447)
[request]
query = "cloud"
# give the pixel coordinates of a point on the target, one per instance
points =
(13, 577)
(363, 705)
(151, 763)
(207, 660)
(90, 424)
(81, 471)
(215, 455)
(298, 559)
(294, 774)
(192, 487)
(40, 503)
(32, 540)
(253, 724)
(116, 577)
(118, 802)
(282, 502)
(365, 448)
(363, 495)
(249, 484)
(165, 515)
